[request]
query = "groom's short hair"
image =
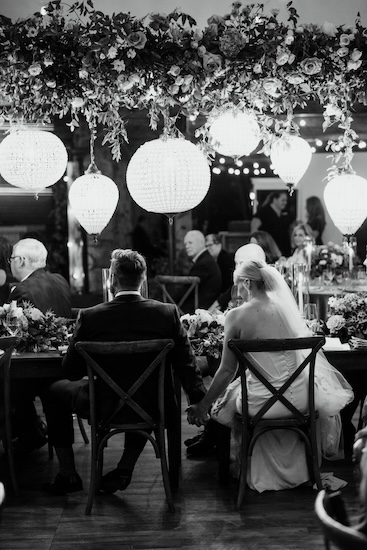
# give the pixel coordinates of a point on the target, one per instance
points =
(129, 267)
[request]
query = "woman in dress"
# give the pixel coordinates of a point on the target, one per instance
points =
(278, 460)
(267, 243)
(298, 242)
(315, 218)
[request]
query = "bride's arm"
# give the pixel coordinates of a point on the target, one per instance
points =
(198, 413)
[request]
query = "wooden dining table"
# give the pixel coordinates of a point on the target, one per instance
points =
(31, 365)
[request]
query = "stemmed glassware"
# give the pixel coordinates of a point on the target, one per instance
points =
(311, 316)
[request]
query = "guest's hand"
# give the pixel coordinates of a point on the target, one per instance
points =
(197, 415)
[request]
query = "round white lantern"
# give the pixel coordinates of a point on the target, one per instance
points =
(235, 134)
(93, 198)
(290, 156)
(168, 175)
(345, 197)
(32, 159)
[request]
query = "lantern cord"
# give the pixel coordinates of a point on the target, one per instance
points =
(92, 168)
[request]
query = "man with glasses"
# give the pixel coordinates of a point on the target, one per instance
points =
(35, 284)
(46, 291)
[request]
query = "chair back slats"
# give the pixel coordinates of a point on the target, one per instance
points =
(96, 356)
(113, 348)
(239, 347)
(184, 280)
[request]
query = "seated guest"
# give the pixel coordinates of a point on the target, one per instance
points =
(35, 284)
(250, 251)
(223, 258)
(267, 243)
(298, 242)
(6, 277)
(46, 291)
(278, 459)
(127, 317)
(206, 268)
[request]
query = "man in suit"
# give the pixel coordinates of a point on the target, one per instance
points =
(128, 316)
(43, 289)
(46, 291)
(223, 258)
(206, 268)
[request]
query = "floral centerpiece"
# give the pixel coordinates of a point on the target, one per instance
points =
(206, 332)
(36, 331)
(329, 257)
(348, 316)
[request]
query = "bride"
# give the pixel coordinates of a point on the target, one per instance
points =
(278, 459)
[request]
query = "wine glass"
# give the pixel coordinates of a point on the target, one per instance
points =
(311, 315)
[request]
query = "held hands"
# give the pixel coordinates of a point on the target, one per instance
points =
(196, 415)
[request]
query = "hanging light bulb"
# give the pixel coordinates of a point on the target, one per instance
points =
(168, 175)
(235, 133)
(290, 156)
(32, 159)
(93, 197)
(345, 197)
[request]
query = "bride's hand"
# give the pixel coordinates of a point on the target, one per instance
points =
(196, 415)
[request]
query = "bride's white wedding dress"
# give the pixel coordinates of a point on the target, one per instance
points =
(279, 458)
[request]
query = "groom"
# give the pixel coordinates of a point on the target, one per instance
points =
(127, 317)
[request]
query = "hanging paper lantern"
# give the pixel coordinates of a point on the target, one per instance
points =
(168, 175)
(290, 156)
(93, 198)
(345, 197)
(32, 159)
(235, 134)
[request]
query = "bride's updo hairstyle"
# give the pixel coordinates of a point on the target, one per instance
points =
(250, 270)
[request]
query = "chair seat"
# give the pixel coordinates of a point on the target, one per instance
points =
(283, 422)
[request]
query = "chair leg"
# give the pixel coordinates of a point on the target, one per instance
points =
(164, 466)
(82, 430)
(243, 467)
(93, 472)
(50, 451)
(313, 460)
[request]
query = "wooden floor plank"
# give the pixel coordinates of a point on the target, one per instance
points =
(138, 518)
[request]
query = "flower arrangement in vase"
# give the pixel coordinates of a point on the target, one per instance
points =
(205, 331)
(348, 316)
(36, 331)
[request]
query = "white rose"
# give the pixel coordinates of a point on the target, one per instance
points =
(203, 316)
(329, 29)
(36, 314)
(335, 323)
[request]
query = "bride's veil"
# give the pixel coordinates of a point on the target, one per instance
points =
(332, 391)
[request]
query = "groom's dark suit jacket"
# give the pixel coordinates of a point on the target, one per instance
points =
(131, 317)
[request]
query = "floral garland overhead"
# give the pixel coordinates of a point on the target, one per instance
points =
(73, 61)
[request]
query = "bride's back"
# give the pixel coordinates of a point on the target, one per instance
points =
(260, 318)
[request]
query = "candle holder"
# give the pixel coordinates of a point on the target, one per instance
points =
(300, 285)
(107, 294)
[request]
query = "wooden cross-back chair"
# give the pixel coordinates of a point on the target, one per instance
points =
(333, 518)
(192, 284)
(102, 429)
(302, 423)
(7, 345)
